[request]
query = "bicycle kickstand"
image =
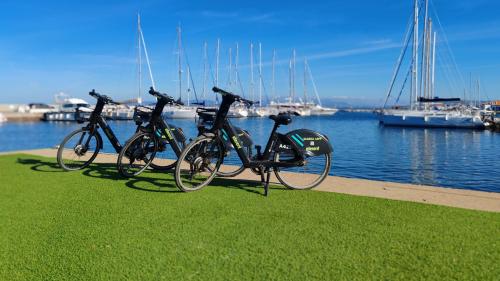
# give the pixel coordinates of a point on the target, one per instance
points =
(265, 176)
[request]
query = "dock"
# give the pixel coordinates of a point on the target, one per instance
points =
(444, 196)
(22, 117)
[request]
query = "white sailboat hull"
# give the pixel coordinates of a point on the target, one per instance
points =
(179, 112)
(260, 112)
(430, 119)
(323, 111)
(238, 112)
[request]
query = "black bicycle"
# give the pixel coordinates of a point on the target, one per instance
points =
(81, 147)
(232, 165)
(300, 159)
(149, 146)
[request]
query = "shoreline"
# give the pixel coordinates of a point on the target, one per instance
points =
(16, 117)
(444, 196)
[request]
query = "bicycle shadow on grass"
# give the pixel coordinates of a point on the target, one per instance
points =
(251, 186)
(40, 165)
(147, 181)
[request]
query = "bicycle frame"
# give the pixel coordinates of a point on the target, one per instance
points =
(97, 120)
(161, 128)
(221, 123)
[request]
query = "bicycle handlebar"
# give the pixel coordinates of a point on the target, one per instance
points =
(236, 97)
(165, 97)
(104, 98)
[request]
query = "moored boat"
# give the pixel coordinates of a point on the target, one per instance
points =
(70, 109)
(431, 119)
(425, 109)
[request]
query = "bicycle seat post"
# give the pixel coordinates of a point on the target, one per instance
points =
(259, 151)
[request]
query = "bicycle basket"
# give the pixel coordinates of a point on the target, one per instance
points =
(206, 115)
(142, 114)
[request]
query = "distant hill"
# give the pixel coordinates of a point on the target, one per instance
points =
(348, 102)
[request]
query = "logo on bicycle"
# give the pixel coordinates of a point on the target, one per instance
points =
(235, 140)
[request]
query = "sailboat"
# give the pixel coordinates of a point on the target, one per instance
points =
(177, 111)
(260, 110)
(316, 108)
(290, 105)
(237, 110)
(425, 109)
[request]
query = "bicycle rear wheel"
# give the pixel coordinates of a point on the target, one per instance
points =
(310, 174)
(78, 149)
(198, 163)
(165, 158)
(137, 154)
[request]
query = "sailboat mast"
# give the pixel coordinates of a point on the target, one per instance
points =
(260, 74)
(293, 75)
(217, 64)
(188, 90)
(179, 59)
(230, 69)
(414, 84)
(478, 93)
(147, 58)
(205, 58)
(428, 60)
(313, 84)
(290, 80)
(423, 66)
(236, 65)
(273, 87)
(251, 73)
(139, 58)
(305, 80)
(433, 87)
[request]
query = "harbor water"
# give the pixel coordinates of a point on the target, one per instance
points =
(466, 159)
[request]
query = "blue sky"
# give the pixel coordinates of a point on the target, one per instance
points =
(73, 46)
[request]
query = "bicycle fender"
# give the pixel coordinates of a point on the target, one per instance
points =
(99, 139)
(309, 142)
(178, 133)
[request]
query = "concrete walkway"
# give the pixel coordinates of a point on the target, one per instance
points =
(461, 198)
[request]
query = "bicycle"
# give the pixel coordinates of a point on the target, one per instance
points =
(146, 145)
(284, 154)
(80, 147)
(206, 118)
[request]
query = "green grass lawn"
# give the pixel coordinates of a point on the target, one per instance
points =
(93, 225)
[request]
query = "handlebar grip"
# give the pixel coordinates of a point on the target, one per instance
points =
(93, 93)
(219, 90)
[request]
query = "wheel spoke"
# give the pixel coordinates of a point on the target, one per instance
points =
(203, 157)
(73, 155)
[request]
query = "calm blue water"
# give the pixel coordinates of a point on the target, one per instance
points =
(363, 149)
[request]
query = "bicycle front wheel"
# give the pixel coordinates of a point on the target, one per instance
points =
(198, 163)
(78, 149)
(313, 171)
(137, 154)
(232, 165)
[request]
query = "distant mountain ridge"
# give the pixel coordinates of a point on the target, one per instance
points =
(348, 102)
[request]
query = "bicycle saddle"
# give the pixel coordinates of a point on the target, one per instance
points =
(284, 119)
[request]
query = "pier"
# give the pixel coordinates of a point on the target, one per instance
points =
(22, 117)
